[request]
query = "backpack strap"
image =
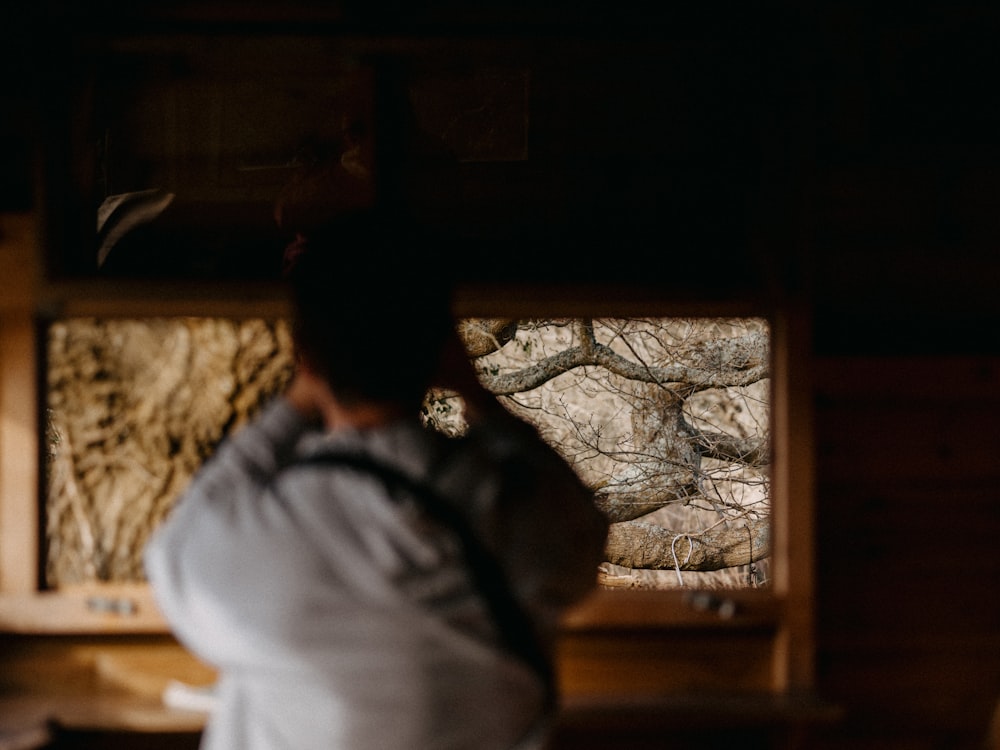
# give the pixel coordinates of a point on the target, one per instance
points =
(515, 626)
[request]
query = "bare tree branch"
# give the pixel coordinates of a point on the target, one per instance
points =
(621, 506)
(752, 451)
(722, 363)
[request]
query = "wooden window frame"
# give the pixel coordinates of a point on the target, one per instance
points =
(787, 607)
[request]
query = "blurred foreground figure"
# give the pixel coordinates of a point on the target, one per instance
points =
(361, 581)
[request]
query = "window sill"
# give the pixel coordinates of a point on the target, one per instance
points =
(130, 608)
(609, 609)
(92, 609)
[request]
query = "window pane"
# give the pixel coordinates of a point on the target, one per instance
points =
(133, 408)
(668, 419)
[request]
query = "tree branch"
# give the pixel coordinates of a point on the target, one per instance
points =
(722, 363)
(752, 451)
(620, 506)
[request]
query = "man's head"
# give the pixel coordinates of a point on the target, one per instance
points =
(371, 309)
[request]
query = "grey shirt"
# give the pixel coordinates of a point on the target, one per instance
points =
(339, 616)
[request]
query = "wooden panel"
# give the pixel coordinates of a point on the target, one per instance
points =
(793, 487)
(18, 260)
(925, 535)
(81, 739)
(706, 720)
(19, 536)
(941, 682)
(909, 516)
(902, 441)
(911, 420)
(619, 663)
(92, 686)
(88, 608)
(18, 418)
(912, 380)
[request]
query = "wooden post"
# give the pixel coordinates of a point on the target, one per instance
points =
(793, 525)
(19, 447)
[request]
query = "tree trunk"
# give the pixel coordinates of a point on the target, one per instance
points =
(634, 544)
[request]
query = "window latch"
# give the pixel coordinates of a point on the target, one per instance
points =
(705, 601)
(117, 605)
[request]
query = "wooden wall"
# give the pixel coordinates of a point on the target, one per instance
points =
(885, 203)
(905, 274)
(908, 613)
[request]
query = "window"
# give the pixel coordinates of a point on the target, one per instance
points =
(604, 138)
(780, 608)
(132, 409)
(667, 418)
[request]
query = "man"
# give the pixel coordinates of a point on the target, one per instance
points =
(341, 609)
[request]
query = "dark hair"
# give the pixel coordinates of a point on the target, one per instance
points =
(371, 307)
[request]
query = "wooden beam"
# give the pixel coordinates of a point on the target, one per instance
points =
(19, 517)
